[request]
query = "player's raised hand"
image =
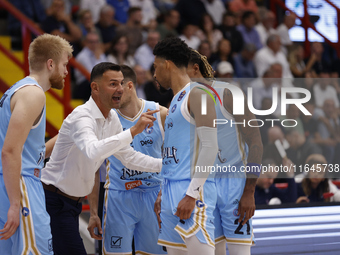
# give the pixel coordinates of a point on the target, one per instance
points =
(94, 222)
(145, 120)
(185, 207)
(12, 223)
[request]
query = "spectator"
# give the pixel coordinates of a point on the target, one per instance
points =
(223, 53)
(324, 90)
(86, 23)
(265, 190)
(60, 23)
(293, 116)
(265, 27)
(216, 9)
(328, 132)
(89, 56)
(33, 9)
(93, 6)
(168, 27)
(141, 81)
(224, 70)
(205, 49)
(48, 4)
(148, 10)
(238, 7)
(272, 54)
(230, 32)
(144, 56)
(248, 31)
(133, 29)
(119, 52)
(122, 9)
(188, 35)
(300, 148)
(310, 123)
(263, 87)
(244, 64)
(191, 12)
(296, 63)
(106, 26)
(208, 32)
(319, 63)
(316, 184)
(282, 31)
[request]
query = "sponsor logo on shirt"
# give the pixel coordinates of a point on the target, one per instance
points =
(50, 246)
(25, 211)
(169, 124)
(37, 172)
(116, 241)
(174, 108)
(148, 130)
(147, 141)
(199, 203)
(181, 95)
(132, 185)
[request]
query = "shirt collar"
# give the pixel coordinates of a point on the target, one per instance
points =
(95, 111)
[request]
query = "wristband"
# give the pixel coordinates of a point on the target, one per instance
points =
(253, 168)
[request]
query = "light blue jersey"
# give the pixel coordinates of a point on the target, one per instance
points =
(148, 142)
(33, 153)
(181, 144)
(232, 149)
(232, 155)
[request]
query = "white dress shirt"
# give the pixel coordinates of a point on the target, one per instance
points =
(265, 57)
(321, 95)
(85, 140)
(144, 56)
(263, 33)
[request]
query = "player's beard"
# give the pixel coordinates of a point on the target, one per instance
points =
(56, 80)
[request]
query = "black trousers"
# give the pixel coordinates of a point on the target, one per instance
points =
(64, 213)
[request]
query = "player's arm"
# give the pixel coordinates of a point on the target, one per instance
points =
(26, 106)
(49, 146)
(163, 113)
(251, 135)
(94, 221)
(157, 207)
(207, 135)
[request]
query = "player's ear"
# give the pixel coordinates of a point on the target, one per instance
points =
(49, 64)
(196, 68)
(94, 86)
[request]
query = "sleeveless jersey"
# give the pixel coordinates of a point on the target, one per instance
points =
(181, 143)
(148, 142)
(232, 150)
(33, 153)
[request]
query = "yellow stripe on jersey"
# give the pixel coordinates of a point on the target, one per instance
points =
(107, 178)
(171, 244)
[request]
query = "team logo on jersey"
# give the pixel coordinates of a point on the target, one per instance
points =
(148, 130)
(50, 246)
(36, 172)
(174, 108)
(235, 212)
(147, 141)
(168, 154)
(128, 173)
(25, 211)
(199, 203)
(132, 185)
(181, 95)
(169, 123)
(236, 202)
(116, 241)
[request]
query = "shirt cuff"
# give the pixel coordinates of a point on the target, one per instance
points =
(125, 137)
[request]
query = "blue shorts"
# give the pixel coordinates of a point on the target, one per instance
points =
(128, 214)
(201, 223)
(34, 233)
(227, 227)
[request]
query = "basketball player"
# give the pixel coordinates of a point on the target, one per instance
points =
(130, 194)
(239, 146)
(188, 197)
(24, 222)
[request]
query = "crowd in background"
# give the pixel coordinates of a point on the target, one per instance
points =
(242, 39)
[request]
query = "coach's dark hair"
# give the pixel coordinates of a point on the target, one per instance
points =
(173, 49)
(99, 69)
(203, 64)
(129, 74)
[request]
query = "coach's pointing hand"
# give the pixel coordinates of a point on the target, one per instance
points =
(145, 120)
